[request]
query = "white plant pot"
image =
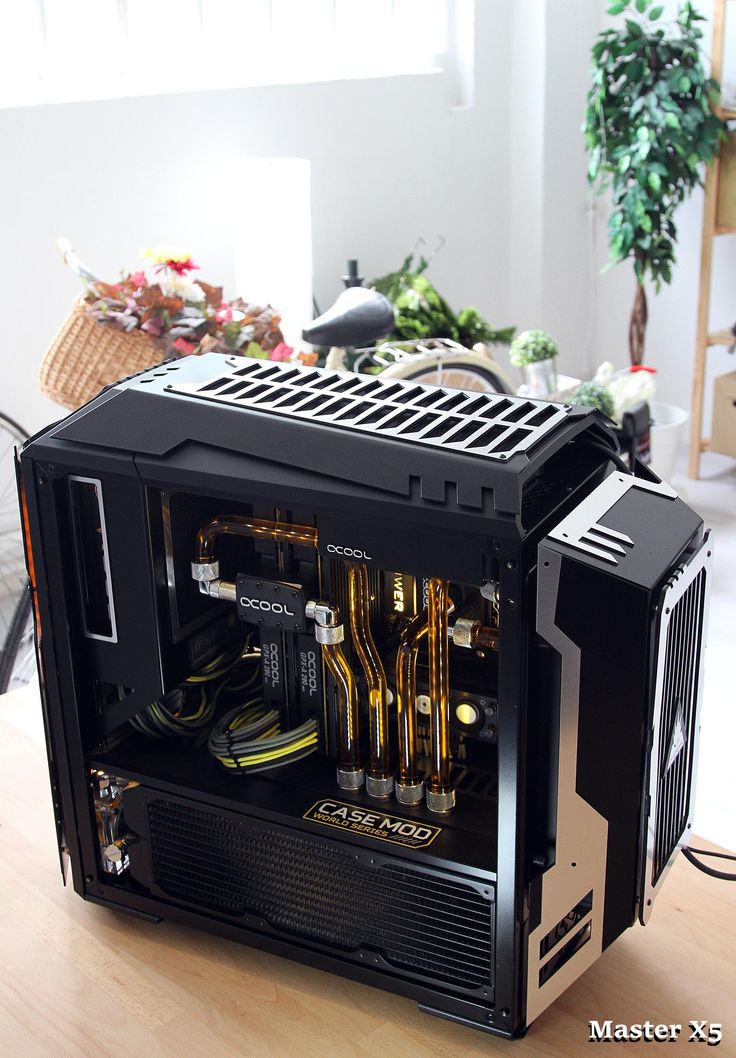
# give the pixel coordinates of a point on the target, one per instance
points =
(668, 424)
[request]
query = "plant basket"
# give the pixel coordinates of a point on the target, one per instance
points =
(85, 356)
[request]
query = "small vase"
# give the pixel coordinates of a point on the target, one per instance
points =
(540, 378)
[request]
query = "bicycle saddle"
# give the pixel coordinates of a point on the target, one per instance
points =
(358, 317)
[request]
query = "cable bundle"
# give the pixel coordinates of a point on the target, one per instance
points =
(249, 738)
(179, 712)
(187, 709)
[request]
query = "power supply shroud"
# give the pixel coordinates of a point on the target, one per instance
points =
(573, 778)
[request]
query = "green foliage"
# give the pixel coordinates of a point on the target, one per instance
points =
(421, 312)
(649, 128)
(530, 347)
(592, 395)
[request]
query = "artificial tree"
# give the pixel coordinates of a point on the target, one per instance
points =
(649, 129)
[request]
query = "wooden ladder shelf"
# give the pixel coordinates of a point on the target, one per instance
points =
(706, 338)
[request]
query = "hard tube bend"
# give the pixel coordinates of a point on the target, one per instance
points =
(239, 525)
(372, 666)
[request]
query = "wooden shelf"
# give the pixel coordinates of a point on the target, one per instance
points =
(706, 338)
(725, 337)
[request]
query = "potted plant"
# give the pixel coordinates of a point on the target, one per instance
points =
(649, 130)
(534, 353)
(594, 395)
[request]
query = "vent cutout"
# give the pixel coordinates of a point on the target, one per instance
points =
(405, 411)
(566, 924)
(677, 694)
(566, 952)
(420, 921)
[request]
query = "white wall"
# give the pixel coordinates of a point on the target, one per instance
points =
(390, 162)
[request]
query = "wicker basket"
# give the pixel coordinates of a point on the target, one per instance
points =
(85, 356)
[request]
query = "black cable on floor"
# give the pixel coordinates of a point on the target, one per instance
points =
(723, 875)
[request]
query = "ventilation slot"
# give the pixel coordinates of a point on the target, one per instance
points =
(237, 388)
(334, 407)
(93, 559)
(487, 437)
(251, 393)
(419, 921)
(452, 402)
(443, 427)
(317, 402)
(496, 411)
(475, 406)
(677, 723)
(464, 432)
(432, 397)
(357, 409)
(541, 416)
(216, 384)
(266, 372)
(251, 366)
(566, 952)
(512, 441)
(420, 424)
(518, 412)
(349, 383)
(408, 394)
(566, 924)
(399, 419)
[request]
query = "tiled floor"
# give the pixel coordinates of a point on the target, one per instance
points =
(714, 498)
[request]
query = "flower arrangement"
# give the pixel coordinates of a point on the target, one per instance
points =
(532, 347)
(187, 315)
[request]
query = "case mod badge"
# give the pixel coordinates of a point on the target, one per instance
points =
(371, 824)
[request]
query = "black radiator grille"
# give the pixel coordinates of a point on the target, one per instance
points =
(678, 718)
(419, 921)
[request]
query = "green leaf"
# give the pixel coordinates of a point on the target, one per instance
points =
(616, 8)
(641, 6)
(655, 182)
(656, 12)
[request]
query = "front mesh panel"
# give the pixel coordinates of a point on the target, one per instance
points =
(430, 924)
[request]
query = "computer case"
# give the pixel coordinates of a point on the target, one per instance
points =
(477, 636)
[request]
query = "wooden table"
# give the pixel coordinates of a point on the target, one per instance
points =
(80, 980)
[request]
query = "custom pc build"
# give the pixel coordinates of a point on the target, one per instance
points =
(398, 681)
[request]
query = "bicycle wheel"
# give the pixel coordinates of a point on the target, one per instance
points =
(14, 596)
(461, 370)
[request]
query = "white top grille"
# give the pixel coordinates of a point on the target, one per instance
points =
(486, 424)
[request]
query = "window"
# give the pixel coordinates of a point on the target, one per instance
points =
(66, 50)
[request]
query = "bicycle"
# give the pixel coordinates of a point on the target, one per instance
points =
(360, 315)
(16, 654)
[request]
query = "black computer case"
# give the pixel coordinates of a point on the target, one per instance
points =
(569, 602)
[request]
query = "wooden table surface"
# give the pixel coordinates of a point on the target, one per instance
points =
(77, 979)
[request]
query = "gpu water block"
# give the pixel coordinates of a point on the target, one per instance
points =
(395, 680)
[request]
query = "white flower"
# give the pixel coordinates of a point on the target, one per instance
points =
(176, 286)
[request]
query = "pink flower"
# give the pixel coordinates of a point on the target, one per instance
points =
(281, 352)
(138, 279)
(152, 326)
(224, 313)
